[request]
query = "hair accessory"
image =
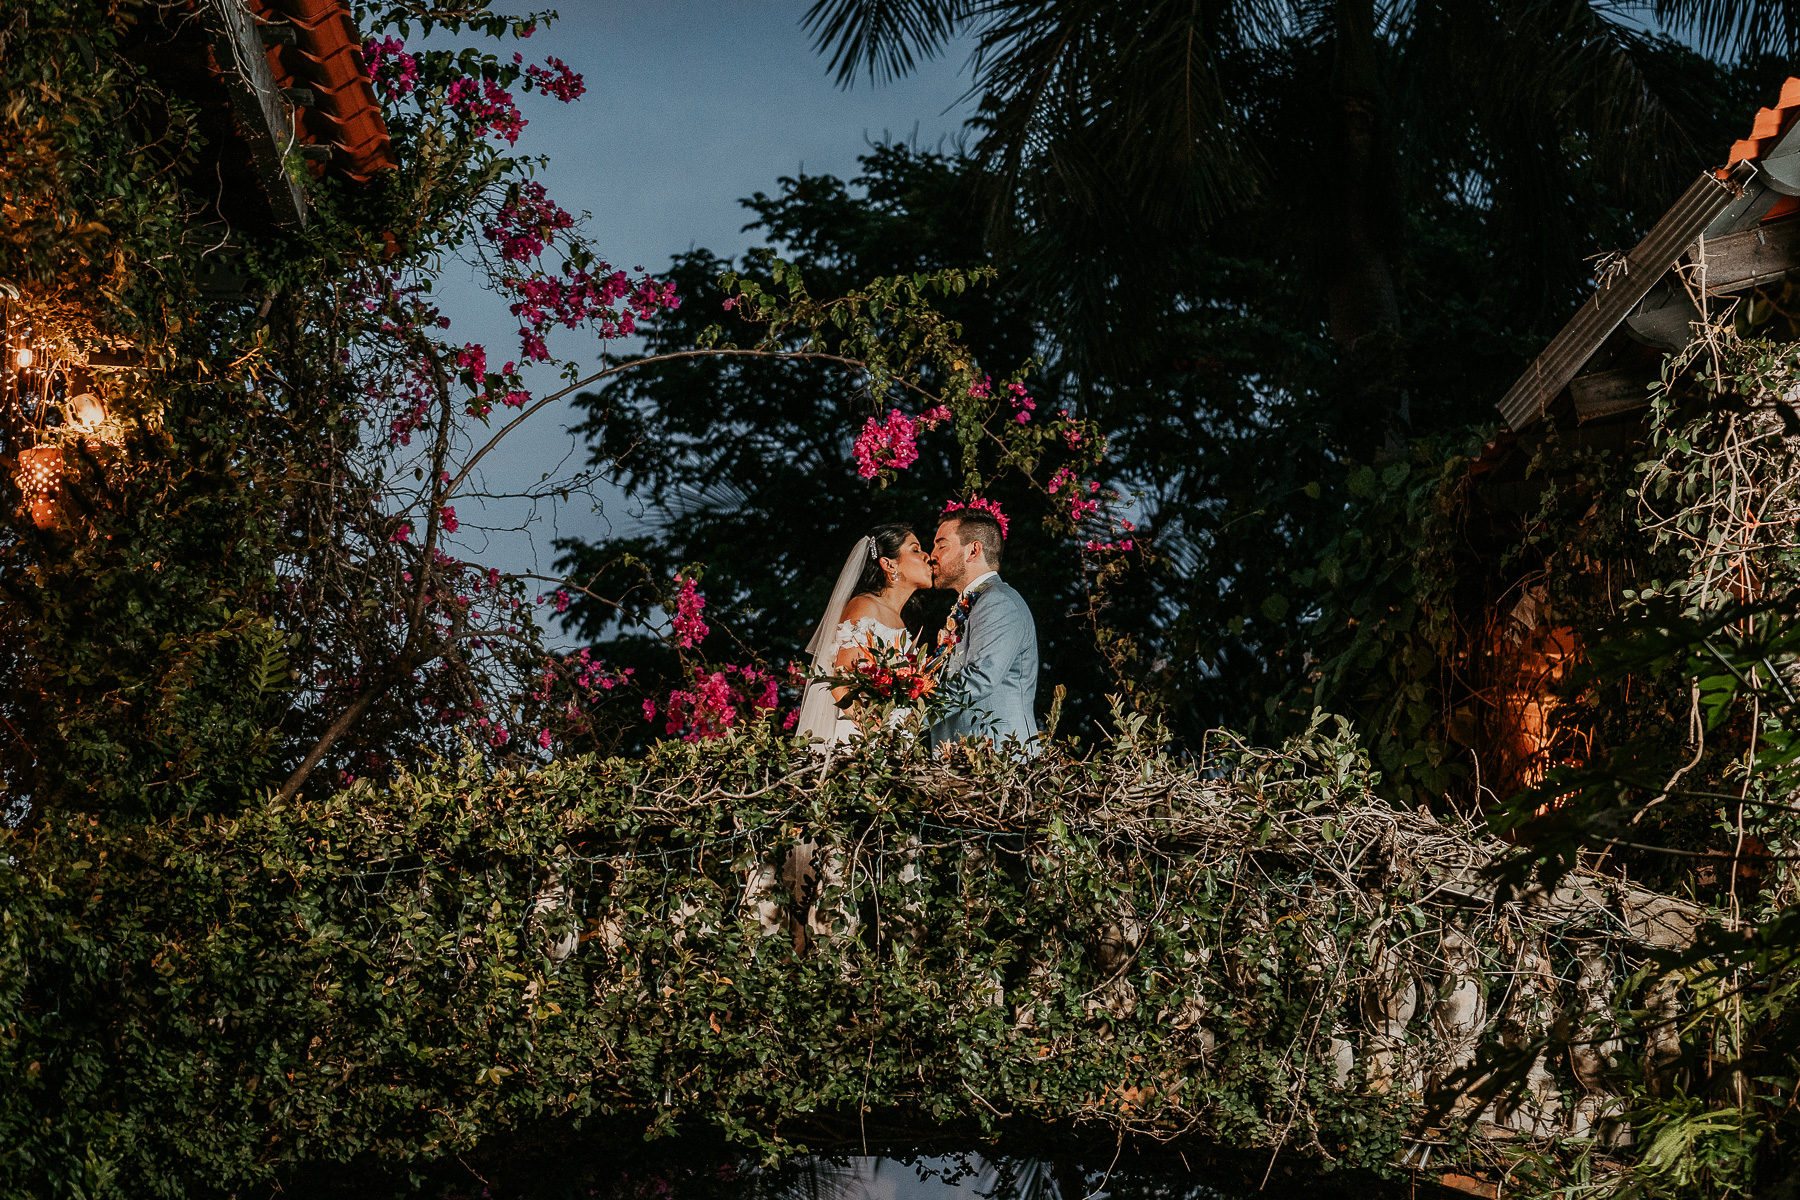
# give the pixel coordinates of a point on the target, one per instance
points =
(874, 551)
(978, 504)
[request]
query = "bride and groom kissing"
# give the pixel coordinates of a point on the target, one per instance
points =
(985, 655)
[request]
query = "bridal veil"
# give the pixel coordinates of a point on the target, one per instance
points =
(818, 711)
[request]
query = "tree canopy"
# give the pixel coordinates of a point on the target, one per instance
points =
(1212, 306)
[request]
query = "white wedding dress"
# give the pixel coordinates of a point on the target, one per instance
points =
(819, 719)
(866, 634)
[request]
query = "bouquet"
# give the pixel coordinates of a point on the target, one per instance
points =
(887, 678)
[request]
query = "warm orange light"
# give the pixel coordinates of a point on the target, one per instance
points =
(86, 411)
(1523, 739)
(40, 476)
(25, 357)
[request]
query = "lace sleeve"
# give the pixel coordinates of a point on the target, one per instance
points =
(855, 634)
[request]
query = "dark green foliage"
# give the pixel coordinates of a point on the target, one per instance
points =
(205, 601)
(338, 992)
(746, 466)
(140, 674)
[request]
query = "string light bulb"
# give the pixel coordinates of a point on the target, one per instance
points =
(25, 357)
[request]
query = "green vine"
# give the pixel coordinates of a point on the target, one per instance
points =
(720, 937)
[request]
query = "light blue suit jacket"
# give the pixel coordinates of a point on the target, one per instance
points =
(995, 668)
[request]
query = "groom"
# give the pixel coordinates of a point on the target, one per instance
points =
(995, 658)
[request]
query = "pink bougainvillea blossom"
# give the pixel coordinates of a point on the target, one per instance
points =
(394, 72)
(449, 517)
(473, 359)
(1121, 544)
(689, 604)
(1022, 401)
(487, 107)
(717, 702)
(890, 445)
(934, 416)
(990, 507)
(526, 223)
(609, 301)
(1063, 478)
(704, 713)
(554, 78)
(1080, 507)
(404, 533)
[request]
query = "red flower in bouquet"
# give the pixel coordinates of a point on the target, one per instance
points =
(886, 675)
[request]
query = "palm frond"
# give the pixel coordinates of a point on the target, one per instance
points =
(1117, 104)
(884, 38)
(1733, 28)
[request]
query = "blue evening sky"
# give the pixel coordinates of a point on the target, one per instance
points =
(691, 104)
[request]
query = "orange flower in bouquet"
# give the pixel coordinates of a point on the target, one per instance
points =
(888, 676)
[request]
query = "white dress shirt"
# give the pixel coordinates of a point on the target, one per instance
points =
(978, 581)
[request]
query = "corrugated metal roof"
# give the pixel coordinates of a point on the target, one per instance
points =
(1758, 184)
(1645, 266)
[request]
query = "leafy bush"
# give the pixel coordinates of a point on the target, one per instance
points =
(726, 940)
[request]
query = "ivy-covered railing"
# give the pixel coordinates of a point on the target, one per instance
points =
(1243, 959)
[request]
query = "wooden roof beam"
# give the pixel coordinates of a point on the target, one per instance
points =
(240, 60)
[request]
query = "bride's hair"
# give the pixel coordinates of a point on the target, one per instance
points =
(888, 539)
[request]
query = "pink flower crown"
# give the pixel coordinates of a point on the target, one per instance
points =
(987, 506)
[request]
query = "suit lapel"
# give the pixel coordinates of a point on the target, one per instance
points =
(964, 612)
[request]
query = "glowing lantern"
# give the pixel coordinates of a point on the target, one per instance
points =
(40, 476)
(86, 411)
(25, 357)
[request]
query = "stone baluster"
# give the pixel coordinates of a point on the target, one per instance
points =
(550, 899)
(761, 904)
(1389, 1001)
(1536, 1111)
(1460, 1013)
(1591, 1053)
(1662, 1034)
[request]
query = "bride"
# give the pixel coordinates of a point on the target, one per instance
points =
(884, 572)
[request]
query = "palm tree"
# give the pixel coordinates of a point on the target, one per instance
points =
(1123, 123)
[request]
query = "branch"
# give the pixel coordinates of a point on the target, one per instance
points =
(616, 368)
(338, 728)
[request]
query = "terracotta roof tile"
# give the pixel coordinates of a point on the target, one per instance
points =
(1770, 124)
(327, 59)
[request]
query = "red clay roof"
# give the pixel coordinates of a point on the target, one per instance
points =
(1771, 123)
(328, 59)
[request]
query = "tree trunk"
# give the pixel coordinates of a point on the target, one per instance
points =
(1359, 210)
